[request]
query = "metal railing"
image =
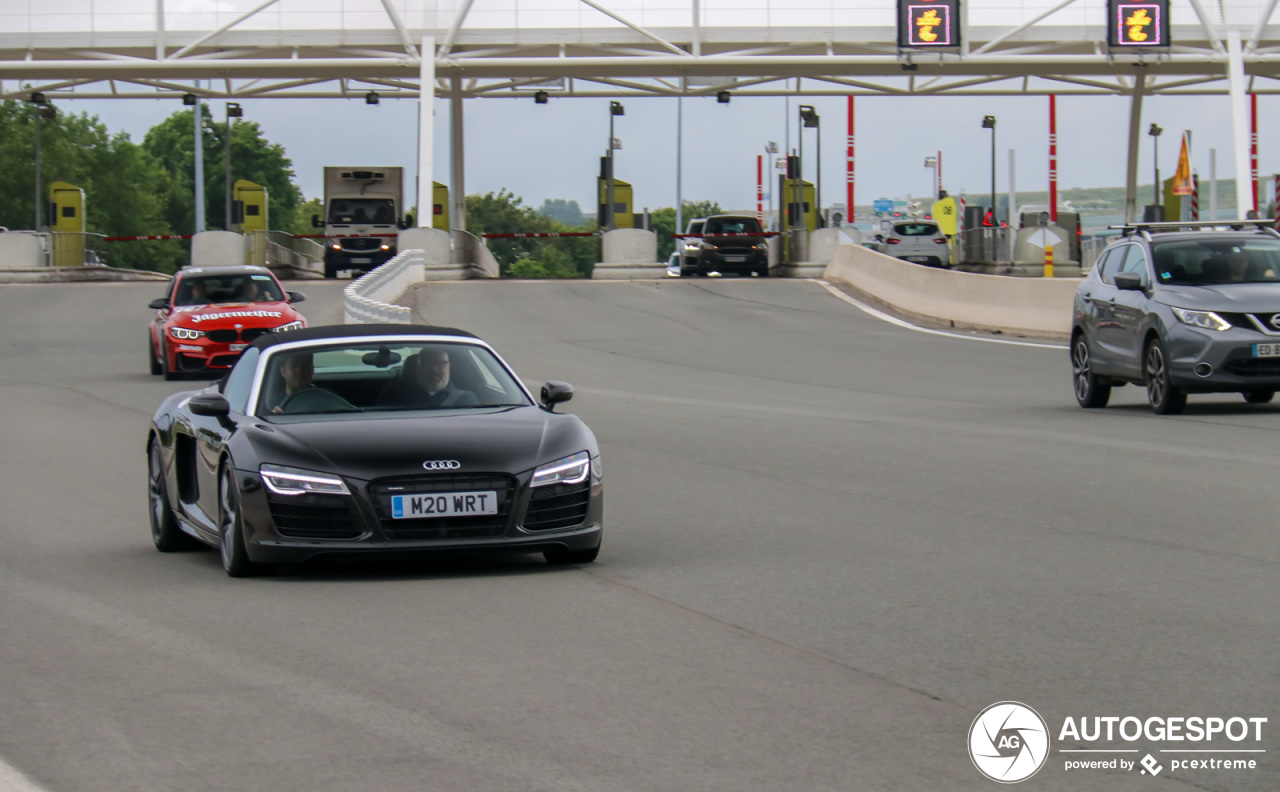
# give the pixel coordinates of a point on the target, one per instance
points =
(984, 245)
(1090, 250)
(76, 249)
(281, 250)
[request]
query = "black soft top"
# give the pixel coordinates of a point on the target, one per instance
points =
(321, 332)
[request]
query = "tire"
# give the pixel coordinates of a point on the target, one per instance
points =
(330, 270)
(1259, 396)
(169, 374)
(564, 557)
(1165, 397)
(763, 272)
(155, 361)
(166, 534)
(235, 558)
(1091, 393)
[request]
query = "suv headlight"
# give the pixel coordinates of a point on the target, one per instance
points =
(185, 333)
(295, 481)
(1207, 320)
(572, 469)
(298, 325)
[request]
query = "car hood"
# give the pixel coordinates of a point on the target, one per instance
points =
(370, 445)
(1228, 297)
(228, 315)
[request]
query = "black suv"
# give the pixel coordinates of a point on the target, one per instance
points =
(733, 243)
(1181, 308)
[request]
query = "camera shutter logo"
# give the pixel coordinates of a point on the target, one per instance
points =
(1008, 742)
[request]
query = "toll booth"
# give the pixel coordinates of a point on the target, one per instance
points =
(248, 207)
(66, 208)
(794, 214)
(623, 216)
(1068, 221)
(439, 206)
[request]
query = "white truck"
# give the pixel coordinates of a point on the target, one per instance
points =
(362, 213)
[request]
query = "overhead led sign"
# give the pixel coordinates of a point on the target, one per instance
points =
(1138, 24)
(928, 24)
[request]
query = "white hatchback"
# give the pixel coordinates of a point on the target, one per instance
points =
(918, 241)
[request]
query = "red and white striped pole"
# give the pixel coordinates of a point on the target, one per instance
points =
(1277, 204)
(1195, 196)
(849, 176)
(760, 189)
(1253, 149)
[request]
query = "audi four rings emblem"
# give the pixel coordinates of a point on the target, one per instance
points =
(1275, 321)
(441, 464)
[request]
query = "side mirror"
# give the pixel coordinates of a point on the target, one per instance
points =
(214, 405)
(296, 297)
(554, 393)
(408, 221)
(159, 303)
(315, 221)
(1128, 281)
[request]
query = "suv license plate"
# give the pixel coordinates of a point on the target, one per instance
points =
(918, 259)
(361, 260)
(1266, 350)
(443, 504)
(735, 259)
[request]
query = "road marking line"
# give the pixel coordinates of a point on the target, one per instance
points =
(13, 781)
(902, 323)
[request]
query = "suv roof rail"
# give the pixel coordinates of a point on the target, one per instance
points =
(1175, 225)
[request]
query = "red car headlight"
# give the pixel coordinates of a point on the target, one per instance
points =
(185, 333)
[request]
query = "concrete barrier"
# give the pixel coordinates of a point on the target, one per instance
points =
(370, 299)
(217, 249)
(1038, 306)
(629, 253)
(471, 253)
(435, 247)
(23, 250)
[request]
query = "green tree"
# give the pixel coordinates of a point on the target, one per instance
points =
(663, 222)
(253, 157)
(505, 213)
(567, 213)
(123, 185)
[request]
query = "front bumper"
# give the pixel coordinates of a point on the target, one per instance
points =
(299, 528)
(1228, 356)
(202, 355)
(738, 260)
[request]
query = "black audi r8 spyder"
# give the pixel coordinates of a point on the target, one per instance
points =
(366, 439)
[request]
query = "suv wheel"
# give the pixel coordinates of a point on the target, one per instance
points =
(1165, 397)
(1090, 391)
(1259, 396)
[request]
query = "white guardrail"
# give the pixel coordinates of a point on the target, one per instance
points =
(369, 299)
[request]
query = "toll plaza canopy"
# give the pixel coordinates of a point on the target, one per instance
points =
(237, 49)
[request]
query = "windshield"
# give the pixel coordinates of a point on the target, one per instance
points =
(733, 225)
(374, 211)
(386, 377)
(238, 288)
(1205, 262)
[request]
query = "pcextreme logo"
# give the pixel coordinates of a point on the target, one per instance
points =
(1008, 742)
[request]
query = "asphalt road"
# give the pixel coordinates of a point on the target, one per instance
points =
(830, 543)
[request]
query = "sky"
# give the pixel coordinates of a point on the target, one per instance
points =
(552, 151)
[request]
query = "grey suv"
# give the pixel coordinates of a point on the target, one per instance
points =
(1181, 308)
(732, 243)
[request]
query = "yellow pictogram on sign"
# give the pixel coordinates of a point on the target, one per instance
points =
(926, 23)
(1138, 21)
(1182, 176)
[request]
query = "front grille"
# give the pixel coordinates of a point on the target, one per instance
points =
(251, 333)
(361, 243)
(314, 516)
(557, 506)
(411, 529)
(222, 336)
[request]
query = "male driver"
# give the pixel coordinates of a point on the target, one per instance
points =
(296, 371)
(429, 386)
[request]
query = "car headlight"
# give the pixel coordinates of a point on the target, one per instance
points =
(336, 246)
(572, 469)
(295, 481)
(1207, 320)
(762, 246)
(386, 247)
(298, 325)
(185, 333)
